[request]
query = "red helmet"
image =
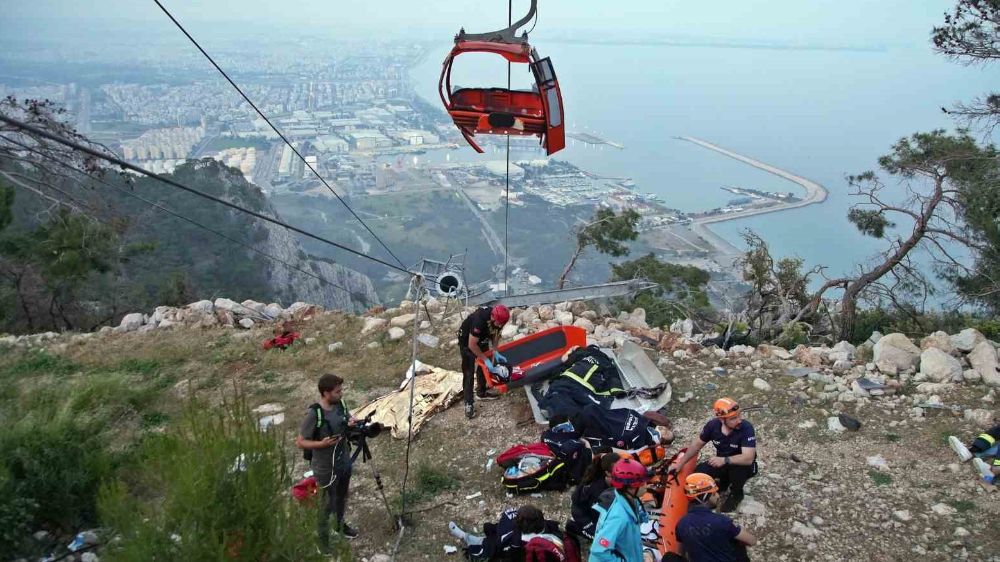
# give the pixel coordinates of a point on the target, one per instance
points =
(628, 472)
(500, 315)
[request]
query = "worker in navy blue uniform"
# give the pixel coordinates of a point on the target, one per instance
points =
(505, 540)
(480, 331)
(707, 536)
(735, 459)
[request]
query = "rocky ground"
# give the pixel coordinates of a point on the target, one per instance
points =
(888, 490)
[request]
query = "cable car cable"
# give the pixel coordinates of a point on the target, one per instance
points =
(279, 133)
(354, 295)
(506, 211)
(125, 165)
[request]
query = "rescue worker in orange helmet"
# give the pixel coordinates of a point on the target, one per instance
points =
(735, 459)
(707, 536)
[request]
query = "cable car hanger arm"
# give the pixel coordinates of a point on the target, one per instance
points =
(507, 35)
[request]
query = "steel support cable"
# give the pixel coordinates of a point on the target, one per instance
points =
(362, 299)
(418, 282)
(278, 132)
(506, 209)
(125, 165)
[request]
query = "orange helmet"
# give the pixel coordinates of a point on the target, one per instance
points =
(699, 483)
(726, 408)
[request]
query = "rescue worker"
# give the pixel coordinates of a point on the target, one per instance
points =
(984, 452)
(735, 459)
(480, 331)
(322, 434)
(586, 376)
(506, 539)
(645, 435)
(707, 536)
(596, 479)
(618, 536)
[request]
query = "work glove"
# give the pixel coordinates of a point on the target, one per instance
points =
(499, 356)
(489, 365)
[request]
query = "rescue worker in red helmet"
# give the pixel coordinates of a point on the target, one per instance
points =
(618, 535)
(479, 332)
(707, 536)
(735, 459)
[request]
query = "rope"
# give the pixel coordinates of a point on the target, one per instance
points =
(126, 166)
(279, 133)
(506, 211)
(418, 284)
(355, 295)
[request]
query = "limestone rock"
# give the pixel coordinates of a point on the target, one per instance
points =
(273, 310)
(508, 331)
(131, 322)
(967, 339)
(895, 352)
(774, 351)
(246, 323)
(564, 317)
(940, 340)
(943, 509)
(938, 366)
(750, 506)
(980, 418)
(805, 356)
(396, 333)
(402, 321)
(761, 384)
(902, 515)
(226, 304)
(833, 424)
(255, 306)
(372, 324)
(547, 312)
(201, 306)
(983, 359)
(684, 327)
(585, 324)
(635, 319)
(335, 347)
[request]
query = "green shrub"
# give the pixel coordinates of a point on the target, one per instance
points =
(50, 473)
(792, 334)
(427, 483)
(880, 478)
(38, 362)
(215, 487)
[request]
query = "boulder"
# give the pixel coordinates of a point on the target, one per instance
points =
(564, 317)
(372, 324)
(940, 340)
(966, 340)
(894, 353)
(585, 324)
(774, 351)
(131, 322)
(938, 366)
(843, 351)
(246, 323)
(635, 319)
(402, 321)
(684, 327)
(983, 359)
(226, 304)
(201, 306)
(563, 306)
(807, 357)
(335, 347)
(396, 333)
(979, 417)
(273, 310)
(255, 306)
(546, 312)
(225, 317)
(508, 331)
(761, 384)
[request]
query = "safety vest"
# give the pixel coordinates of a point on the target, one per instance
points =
(585, 380)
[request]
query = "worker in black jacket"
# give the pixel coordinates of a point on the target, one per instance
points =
(479, 332)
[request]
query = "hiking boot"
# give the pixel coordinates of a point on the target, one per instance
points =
(731, 503)
(960, 449)
(488, 394)
(470, 411)
(348, 531)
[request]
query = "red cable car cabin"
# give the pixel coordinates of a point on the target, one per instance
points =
(499, 111)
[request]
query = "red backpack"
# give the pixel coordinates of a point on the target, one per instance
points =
(517, 452)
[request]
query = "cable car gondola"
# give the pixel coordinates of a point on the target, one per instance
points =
(501, 111)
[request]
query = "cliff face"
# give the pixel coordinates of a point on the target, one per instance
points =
(355, 294)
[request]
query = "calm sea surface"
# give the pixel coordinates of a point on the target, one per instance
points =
(819, 114)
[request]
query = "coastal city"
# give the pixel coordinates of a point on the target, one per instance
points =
(355, 126)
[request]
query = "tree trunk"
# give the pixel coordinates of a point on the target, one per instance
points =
(569, 266)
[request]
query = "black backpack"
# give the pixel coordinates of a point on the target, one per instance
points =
(307, 454)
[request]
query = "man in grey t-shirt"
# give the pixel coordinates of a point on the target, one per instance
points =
(331, 454)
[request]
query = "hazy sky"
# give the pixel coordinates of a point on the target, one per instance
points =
(886, 22)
